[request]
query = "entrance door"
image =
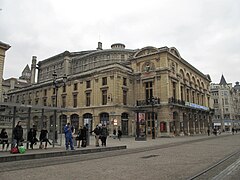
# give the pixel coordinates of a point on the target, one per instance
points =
(124, 123)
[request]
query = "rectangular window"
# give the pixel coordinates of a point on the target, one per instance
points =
(104, 97)
(63, 101)
(88, 84)
(44, 102)
(104, 81)
(88, 99)
(124, 97)
(125, 81)
(75, 100)
(174, 90)
(193, 96)
(149, 90)
(188, 95)
(181, 93)
(45, 92)
(75, 86)
(64, 88)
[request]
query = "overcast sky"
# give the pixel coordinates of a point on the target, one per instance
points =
(205, 32)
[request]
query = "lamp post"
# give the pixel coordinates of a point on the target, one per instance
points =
(152, 102)
(56, 86)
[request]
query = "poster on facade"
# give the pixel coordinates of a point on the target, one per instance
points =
(141, 126)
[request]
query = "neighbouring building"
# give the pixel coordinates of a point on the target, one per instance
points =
(226, 104)
(3, 48)
(154, 87)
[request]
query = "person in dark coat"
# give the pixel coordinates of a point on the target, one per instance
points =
(84, 136)
(44, 138)
(4, 139)
(104, 134)
(32, 136)
(18, 134)
(119, 135)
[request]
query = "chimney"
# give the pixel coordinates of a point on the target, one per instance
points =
(33, 69)
(99, 46)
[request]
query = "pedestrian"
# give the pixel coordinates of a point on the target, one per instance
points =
(104, 133)
(4, 139)
(32, 136)
(233, 130)
(208, 131)
(44, 138)
(84, 136)
(119, 134)
(97, 132)
(68, 130)
(79, 137)
(18, 134)
(114, 134)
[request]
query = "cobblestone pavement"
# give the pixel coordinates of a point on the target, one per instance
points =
(128, 141)
(177, 162)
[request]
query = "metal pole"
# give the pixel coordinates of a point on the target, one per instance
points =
(153, 122)
(28, 124)
(55, 116)
(13, 124)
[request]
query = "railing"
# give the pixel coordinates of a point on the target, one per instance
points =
(176, 101)
(145, 102)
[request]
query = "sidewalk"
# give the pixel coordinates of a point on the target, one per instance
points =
(112, 144)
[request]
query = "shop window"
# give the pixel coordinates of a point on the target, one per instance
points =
(163, 127)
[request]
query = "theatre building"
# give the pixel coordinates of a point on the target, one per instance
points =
(149, 91)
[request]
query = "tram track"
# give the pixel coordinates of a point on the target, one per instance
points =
(220, 169)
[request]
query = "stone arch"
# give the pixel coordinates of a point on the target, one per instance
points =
(74, 119)
(104, 118)
(88, 119)
(182, 74)
(63, 122)
(145, 51)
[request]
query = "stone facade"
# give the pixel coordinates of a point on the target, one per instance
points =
(115, 86)
(226, 104)
(3, 48)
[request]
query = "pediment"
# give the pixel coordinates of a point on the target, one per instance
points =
(145, 51)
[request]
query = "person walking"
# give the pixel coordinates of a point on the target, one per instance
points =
(97, 132)
(4, 139)
(68, 130)
(119, 134)
(104, 133)
(84, 136)
(18, 134)
(79, 137)
(44, 138)
(208, 131)
(233, 130)
(114, 134)
(32, 136)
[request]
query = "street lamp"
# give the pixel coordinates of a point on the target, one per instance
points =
(56, 86)
(152, 101)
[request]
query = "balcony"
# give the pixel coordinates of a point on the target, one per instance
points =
(176, 101)
(155, 101)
